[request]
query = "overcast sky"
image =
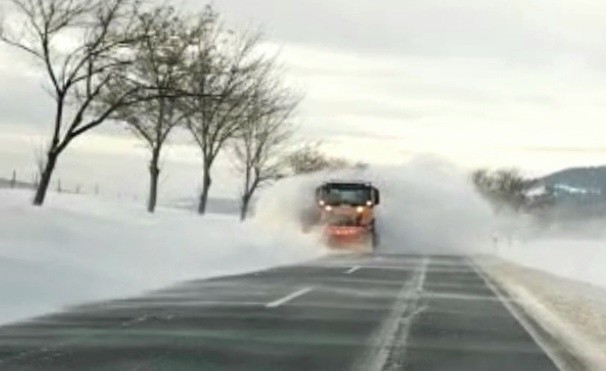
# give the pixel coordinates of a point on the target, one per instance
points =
(481, 83)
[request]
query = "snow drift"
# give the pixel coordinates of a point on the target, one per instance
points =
(82, 248)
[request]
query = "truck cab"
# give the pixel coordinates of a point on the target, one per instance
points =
(346, 210)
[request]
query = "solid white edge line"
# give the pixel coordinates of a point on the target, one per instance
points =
(352, 269)
(521, 320)
(289, 297)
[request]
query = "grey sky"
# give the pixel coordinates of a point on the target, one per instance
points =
(480, 82)
(522, 31)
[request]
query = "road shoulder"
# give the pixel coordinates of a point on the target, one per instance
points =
(572, 313)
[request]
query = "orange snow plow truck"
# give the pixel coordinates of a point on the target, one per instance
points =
(345, 211)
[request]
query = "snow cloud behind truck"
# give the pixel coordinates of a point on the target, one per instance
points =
(427, 205)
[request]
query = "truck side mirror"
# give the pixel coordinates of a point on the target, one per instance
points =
(376, 196)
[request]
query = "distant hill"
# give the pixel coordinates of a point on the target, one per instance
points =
(590, 179)
(575, 192)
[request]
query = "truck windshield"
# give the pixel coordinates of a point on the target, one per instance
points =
(347, 195)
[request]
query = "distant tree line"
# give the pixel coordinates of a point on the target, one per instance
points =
(309, 158)
(155, 69)
(508, 189)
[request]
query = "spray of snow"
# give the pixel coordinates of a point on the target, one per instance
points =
(427, 206)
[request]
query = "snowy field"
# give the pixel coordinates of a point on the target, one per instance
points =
(579, 259)
(83, 248)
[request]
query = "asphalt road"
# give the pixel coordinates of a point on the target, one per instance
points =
(372, 312)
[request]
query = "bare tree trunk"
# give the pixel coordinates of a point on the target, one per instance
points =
(251, 187)
(244, 204)
(154, 172)
(206, 183)
(46, 176)
(245, 195)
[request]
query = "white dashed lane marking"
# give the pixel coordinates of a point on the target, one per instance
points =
(289, 297)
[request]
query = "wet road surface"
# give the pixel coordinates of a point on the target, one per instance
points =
(370, 312)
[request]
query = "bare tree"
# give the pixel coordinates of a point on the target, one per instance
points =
(258, 148)
(309, 159)
(222, 83)
(503, 188)
(162, 59)
(84, 46)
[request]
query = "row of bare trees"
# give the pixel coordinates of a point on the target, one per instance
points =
(156, 69)
(504, 188)
(310, 158)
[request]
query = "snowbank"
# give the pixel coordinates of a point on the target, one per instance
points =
(82, 248)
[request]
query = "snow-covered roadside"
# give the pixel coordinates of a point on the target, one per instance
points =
(578, 258)
(82, 248)
(572, 311)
